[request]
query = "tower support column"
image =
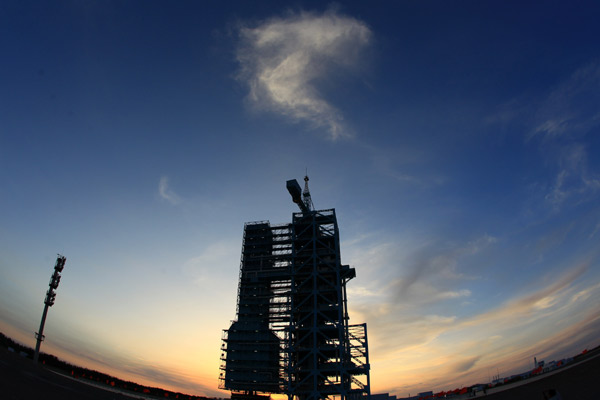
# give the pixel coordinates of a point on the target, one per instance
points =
(40, 335)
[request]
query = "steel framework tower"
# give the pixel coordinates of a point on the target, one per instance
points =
(49, 302)
(292, 334)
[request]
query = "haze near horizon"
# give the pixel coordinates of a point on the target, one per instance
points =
(458, 143)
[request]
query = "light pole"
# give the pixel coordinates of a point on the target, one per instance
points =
(48, 302)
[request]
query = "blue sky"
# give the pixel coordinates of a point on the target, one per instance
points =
(458, 142)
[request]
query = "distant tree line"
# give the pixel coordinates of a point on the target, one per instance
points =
(54, 362)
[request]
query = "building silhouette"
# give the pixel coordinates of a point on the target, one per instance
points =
(292, 334)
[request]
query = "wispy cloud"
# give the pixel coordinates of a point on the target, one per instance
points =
(526, 306)
(423, 330)
(166, 193)
(465, 364)
(407, 287)
(560, 123)
(571, 108)
(573, 177)
(203, 268)
(285, 60)
(169, 378)
(433, 261)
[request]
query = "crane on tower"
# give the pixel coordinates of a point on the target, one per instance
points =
(300, 197)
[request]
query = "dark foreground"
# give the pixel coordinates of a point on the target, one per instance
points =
(21, 380)
(579, 382)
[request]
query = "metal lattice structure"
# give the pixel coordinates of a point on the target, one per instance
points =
(292, 335)
(49, 302)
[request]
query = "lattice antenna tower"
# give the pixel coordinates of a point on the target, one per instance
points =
(306, 195)
(49, 302)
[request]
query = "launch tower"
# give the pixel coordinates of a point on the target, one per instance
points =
(292, 334)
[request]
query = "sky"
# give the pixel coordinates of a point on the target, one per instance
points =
(458, 142)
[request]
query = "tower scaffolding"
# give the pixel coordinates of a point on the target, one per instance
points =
(292, 334)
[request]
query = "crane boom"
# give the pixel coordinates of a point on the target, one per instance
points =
(294, 188)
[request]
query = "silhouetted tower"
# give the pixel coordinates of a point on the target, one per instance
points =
(292, 296)
(252, 346)
(49, 302)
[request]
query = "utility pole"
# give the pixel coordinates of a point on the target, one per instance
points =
(48, 302)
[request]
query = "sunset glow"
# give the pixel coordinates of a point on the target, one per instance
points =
(457, 141)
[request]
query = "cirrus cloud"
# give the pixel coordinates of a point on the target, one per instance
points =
(282, 61)
(166, 193)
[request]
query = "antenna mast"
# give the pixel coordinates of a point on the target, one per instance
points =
(49, 302)
(306, 195)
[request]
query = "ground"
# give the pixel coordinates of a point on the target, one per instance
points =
(21, 380)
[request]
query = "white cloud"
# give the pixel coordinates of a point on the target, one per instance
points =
(554, 320)
(526, 306)
(405, 286)
(166, 193)
(552, 127)
(424, 303)
(218, 256)
(571, 108)
(573, 177)
(430, 272)
(283, 60)
(561, 123)
(595, 231)
(453, 294)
